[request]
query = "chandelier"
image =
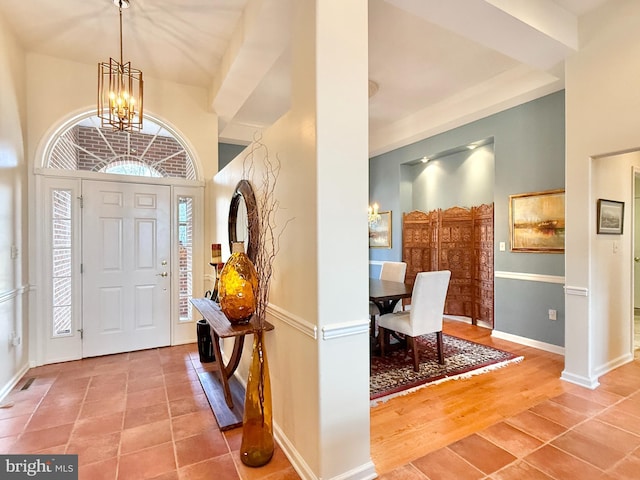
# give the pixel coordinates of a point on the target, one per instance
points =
(374, 216)
(120, 90)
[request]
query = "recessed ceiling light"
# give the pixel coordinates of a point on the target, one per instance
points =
(425, 159)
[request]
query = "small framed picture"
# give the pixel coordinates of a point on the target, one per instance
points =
(380, 231)
(610, 216)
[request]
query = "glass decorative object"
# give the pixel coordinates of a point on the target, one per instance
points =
(238, 286)
(257, 444)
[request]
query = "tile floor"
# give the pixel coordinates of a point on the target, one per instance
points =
(133, 416)
(582, 434)
(143, 415)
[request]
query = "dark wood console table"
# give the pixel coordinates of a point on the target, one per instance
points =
(228, 413)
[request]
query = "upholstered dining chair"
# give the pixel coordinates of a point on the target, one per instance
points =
(395, 272)
(427, 307)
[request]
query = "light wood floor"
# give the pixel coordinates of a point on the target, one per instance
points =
(408, 427)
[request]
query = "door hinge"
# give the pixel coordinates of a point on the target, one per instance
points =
(81, 330)
(81, 198)
(82, 268)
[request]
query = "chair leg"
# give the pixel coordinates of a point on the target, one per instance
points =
(413, 344)
(382, 333)
(440, 348)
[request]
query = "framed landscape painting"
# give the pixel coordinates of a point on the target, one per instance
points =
(536, 222)
(380, 232)
(610, 216)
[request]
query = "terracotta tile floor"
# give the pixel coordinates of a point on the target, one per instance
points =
(581, 434)
(132, 416)
(143, 415)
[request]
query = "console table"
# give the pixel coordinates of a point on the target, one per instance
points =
(225, 385)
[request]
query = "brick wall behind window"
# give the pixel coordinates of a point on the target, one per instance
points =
(161, 148)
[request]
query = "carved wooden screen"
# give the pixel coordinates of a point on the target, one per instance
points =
(456, 254)
(419, 243)
(459, 240)
(483, 276)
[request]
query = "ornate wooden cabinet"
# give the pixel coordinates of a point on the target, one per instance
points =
(459, 240)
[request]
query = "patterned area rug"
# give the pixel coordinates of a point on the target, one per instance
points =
(393, 374)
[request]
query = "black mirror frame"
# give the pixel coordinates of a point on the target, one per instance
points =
(244, 190)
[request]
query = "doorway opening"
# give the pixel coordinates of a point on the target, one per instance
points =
(119, 215)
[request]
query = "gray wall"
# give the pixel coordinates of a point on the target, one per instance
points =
(462, 179)
(528, 145)
(227, 152)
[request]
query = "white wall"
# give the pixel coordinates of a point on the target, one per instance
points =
(13, 212)
(319, 350)
(602, 104)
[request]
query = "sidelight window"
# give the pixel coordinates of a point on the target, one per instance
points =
(61, 246)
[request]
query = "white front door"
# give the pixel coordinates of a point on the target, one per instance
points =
(126, 258)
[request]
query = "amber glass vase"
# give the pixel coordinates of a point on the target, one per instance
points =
(238, 286)
(256, 448)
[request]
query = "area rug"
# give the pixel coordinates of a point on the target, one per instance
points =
(393, 374)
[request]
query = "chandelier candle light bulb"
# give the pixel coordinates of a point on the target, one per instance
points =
(374, 215)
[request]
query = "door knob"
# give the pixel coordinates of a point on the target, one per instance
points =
(636, 259)
(163, 274)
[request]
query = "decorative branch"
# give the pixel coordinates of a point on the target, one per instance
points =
(269, 232)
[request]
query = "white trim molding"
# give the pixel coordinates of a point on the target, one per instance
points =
(590, 383)
(366, 471)
(293, 320)
(578, 291)
(613, 364)
(5, 389)
(11, 294)
(338, 330)
(547, 347)
(531, 277)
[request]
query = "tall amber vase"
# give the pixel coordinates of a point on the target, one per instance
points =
(257, 425)
(238, 286)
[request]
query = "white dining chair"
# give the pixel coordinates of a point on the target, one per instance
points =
(427, 308)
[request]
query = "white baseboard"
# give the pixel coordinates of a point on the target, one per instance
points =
(366, 471)
(4, 391)
(590, 383)
(297, 462)
(547, 347)
(613, 364)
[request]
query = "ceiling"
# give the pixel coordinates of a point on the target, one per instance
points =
(437, 64)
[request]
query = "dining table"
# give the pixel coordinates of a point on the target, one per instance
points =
(385, 294)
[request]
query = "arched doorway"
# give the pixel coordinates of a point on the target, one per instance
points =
(117, 220)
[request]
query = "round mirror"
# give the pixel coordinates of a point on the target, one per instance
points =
(243, 219)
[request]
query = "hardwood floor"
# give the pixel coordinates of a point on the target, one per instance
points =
(406, 428)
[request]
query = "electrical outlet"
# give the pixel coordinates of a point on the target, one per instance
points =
(553, 315)
(503, 246)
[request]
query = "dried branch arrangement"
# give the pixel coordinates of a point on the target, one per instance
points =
(269, 232)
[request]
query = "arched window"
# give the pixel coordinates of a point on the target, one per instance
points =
(153, 152)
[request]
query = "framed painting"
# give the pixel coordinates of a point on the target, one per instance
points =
(380, 231)
(536, 222)
(610, 216)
